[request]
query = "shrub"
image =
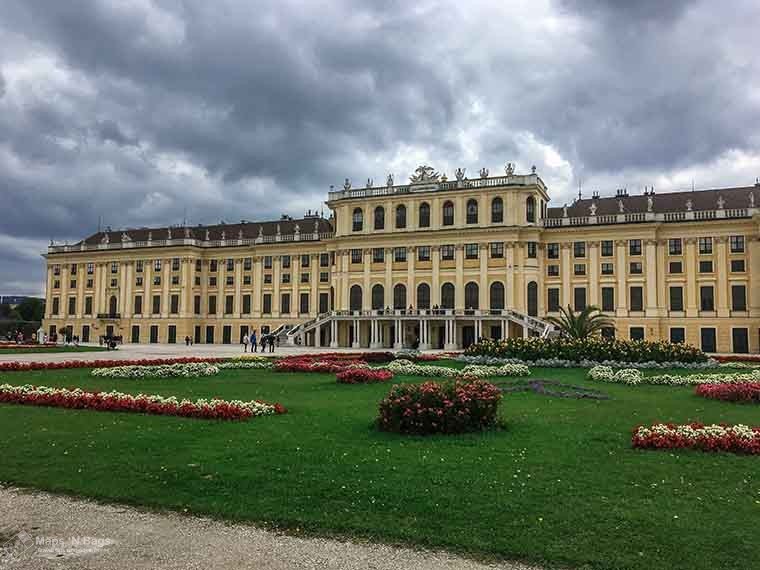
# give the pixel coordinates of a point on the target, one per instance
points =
(748, 392)
(594, 348)
(738, 438)
(445, 407)
(363, 376)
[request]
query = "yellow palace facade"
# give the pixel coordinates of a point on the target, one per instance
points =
(433, 262)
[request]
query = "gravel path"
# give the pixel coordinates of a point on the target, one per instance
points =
(39, 530)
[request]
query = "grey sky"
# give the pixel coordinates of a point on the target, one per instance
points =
(139, 111)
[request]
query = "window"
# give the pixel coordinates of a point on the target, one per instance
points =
(156, 281)
(532, 250)
(552, 251)
(423, 296)
(324, 260)
(305, 260)
(285, 261)
(247, 263)
(636, 268)
(552, 299)
(358, 220)
(634, 247)
(472, 211)
(740, 340)
(552, 270)
(608, 268)
(324, 277)
(674, 246)
(324, 302)
(156, 265)
(738, 298)
(423, 253)
(88, 305)
(737, 244)
(303, 304)
(447, 252)
(676, 298)
(379, 218)
(424, 215)
(285, 303)
(636, 333)
(56, 306)
(175, 263)
(401, 217)
(447, 296)
(156, 309)
(530, 210)
(356, 256)
(378, 297)
(399, 296)
(197, 305)
(497, 211)
(471, 251)
(175, 279)
(607, 248)
(471, 296)
(579, 249)
(705, 245)
(496, 296)
(677, 335)
(448, 213)
(266, 304)
(532, 299)
(230, 264)
(212, 281)
(246, 304)
(608, 298)
(198, 265)
(304, 277)
(355, 298)
(267, 262)
(56, 284)
(91, 267)
(608, 333)
(285, 278)
(73, 284)
(707, 298)
(737, 266)
(399, 254)
(89, 283)
(497, 250)
(56, 269)
(579, 269)
(229, 304)
(73, 269)
(707, 336)
(675, 267)
(212, 304)
(246, 279)
(72, 305)
(115, 267)
(213, 265)
(637, 299)
(706, 266)
(579, 298)
(267, 279)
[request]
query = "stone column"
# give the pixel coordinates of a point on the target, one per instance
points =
(411, 289)
(314, 297)
(237, 302)
(333, 333)
(621, 270)
(483, 289)
(258, 280)
(127, 283)
(459, 281)
(566, 272)
(166, 268)
(690, 270)
(753, 271)
(510, 300)
(593, 273)
(721, 272)
(367, 294)
(651, 307)
(276, 277)
(435, 293)
(357, 334)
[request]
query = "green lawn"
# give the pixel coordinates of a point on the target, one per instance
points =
(45, 350)
(560, 484)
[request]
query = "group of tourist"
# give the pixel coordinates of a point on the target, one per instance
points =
(265, 340)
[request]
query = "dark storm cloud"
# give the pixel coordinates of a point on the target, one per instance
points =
(147, 111)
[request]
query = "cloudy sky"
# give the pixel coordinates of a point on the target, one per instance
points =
(144, 111)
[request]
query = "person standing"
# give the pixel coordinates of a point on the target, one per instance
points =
(245, 343)
(271, 343)
(253, 341)
(263, 342)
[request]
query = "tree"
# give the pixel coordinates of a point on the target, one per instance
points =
(31, 309)
(590, 321)
(5, 311)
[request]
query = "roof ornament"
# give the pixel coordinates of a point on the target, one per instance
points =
(650, 202)
(459, 173)
(125, 237)
(621, 206)
(751, 199)
(721, 202)
(484, 173)
(224, 235)
(208, 235)
(150, 236)
(240, 234)
(369, 183)
(168, 233)
(533, 169)
(187, 233)
(592, 208)
(389, 180)
(564, 211)
(689, 205)
(278, 230)
(105, 238)
(316, 226)
(261, 231)
(297, 232)
(347, 185)
(444, 178)
(424, 173)
(509, 169)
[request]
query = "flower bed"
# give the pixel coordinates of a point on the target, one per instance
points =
(748, 392)
(446, 407)
(142, 403)
(186, 370)
(26, 366)
(593, 348)
(633, 377)
(746, 358)
(13, 345)
(309, 364)
(738, 438)
(562, 363)
(363, 376)
(407, 368)
(247, 362)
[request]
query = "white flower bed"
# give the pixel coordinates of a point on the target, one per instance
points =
(246, 363)
(633, 377)
(559, 363)
(187, 370)
(407, 368)
(493, 371)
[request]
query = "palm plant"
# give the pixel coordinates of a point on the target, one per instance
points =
(590, 321)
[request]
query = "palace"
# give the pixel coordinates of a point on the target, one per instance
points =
(434, 263)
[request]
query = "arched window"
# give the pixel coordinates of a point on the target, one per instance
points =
(399, 296)
(533, 299)
(447, 296)
(379, 218)
(355, 298)
(378, 297)
(401, 216)
(112, 306)
(497, 211)
(423, 296)
(358, 220)
(471, 296)
(530, 210)
(424, 215)
(448, 213)
(472, 211)
(497, 296)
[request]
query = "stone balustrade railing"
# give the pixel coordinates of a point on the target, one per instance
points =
(636, 217)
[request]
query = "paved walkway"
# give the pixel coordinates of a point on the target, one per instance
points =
(39, 530)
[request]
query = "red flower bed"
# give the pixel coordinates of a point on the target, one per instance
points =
(363, 376)
(739, 392)
(25, 366)
(307, 364)
(440, 407)
(736, 439)
(9, 345)
(737, 357)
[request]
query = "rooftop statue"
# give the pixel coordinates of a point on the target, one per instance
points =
(389, 181)
(424, 173)
(460, 174)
